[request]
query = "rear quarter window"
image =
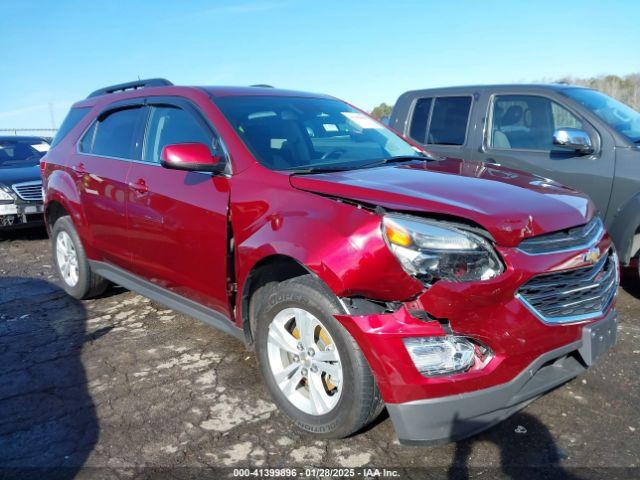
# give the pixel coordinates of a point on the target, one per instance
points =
(71, 120)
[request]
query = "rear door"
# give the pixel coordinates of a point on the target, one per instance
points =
(441, 123)
(519, 134)
(178, 220)
(100, 166)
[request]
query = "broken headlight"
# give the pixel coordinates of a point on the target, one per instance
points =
(431, 251)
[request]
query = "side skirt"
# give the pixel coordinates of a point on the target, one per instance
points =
(165, 297)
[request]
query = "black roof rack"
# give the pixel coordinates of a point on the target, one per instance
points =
(262, 85)
(150, 82)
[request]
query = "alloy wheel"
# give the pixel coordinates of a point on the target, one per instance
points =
(305, 361)
(67, 259)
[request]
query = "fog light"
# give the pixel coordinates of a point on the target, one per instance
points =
(440, 355)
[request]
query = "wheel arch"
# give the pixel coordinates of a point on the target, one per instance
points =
(275, 267)
(625, 230)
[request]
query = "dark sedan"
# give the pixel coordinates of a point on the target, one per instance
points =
(20, 181)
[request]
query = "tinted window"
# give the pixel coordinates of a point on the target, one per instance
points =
(87, 139)
(527, 122)
(168, 126)
(114, 135)
(616, 114)
(420, 120)
(449, 120)
(70, 121)
(21, 152)
(297, 133)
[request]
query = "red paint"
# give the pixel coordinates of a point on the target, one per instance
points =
(188, 156)
(172, 227)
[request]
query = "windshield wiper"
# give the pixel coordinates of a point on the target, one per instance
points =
(398, 159)
(395, 159)
(303, 171)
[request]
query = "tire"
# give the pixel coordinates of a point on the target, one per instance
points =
(82, 283)
(340, 409)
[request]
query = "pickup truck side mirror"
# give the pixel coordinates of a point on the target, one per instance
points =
(573, 139)
(194, 157)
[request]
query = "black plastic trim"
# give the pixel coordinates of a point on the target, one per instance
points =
(167, 298)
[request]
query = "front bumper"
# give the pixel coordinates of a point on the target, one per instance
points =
(23, 214)
(459, 416)
(528, 357)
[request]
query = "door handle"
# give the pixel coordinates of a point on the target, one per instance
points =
(79, 168)
(492, 161)
(139, 186)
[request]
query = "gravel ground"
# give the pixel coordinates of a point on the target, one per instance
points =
(120, 385)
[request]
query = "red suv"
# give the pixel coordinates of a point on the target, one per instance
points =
(363, 271)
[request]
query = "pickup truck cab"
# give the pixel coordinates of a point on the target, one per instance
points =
(363, 272)
(574, 135)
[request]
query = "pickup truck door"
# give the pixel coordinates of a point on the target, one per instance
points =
(519, 134)
(178, 220)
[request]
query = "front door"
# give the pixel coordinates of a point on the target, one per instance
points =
(178, 220)
(520, 135)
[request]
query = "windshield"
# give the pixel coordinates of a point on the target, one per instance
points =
(299, 133)
(18, 152)
(618, 115)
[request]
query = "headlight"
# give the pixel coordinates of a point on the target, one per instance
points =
(5, 195)
(431, 251)
(440, 355)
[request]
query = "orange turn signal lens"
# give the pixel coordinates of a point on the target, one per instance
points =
(397, 235)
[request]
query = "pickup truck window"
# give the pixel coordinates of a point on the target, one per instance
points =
(168, 126)
(445, 124)
(616, 114)
(420, 120)
(300, 133)
(527, 122)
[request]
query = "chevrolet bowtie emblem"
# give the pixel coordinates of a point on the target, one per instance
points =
(592, 256)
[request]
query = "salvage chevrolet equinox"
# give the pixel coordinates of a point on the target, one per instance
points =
(363, 272)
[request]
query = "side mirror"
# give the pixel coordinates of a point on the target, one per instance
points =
(193, 157)
(573, 139)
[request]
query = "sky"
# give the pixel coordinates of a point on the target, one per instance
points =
(367, 52)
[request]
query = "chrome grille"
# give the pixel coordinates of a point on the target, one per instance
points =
(573, 295)
(29, 191)
(571, 239)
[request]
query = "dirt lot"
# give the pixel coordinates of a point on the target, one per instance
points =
(121, 382)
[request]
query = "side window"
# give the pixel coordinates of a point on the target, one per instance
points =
(86, 143)
(420, 120)
(70, 121)
(449, 121)
(563, 118)
(114, 135)
(171, 125)
(527, 122)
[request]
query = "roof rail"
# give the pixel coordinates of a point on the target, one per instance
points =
(261, 85)
(150, 82)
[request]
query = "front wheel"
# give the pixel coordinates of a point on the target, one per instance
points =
(313, 368)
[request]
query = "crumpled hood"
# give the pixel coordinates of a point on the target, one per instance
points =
(511, 205)
(10, 175)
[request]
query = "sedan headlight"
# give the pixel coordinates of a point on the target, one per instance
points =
(431, 251)
(5, 195)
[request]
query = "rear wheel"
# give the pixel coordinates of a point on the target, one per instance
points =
(71, 262)
(313, 368)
